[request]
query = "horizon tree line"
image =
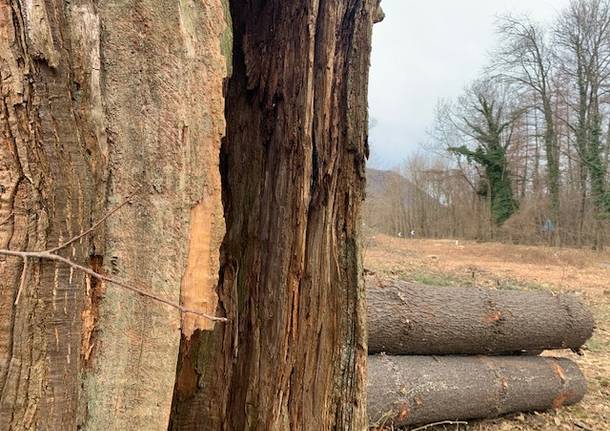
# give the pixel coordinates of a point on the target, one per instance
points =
(523, 154)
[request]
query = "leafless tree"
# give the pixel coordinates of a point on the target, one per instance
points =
(582, 37)
(525, 57)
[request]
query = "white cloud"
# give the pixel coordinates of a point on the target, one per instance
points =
(425, 50)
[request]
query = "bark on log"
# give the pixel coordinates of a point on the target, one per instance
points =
(407, 318)
(407, 390)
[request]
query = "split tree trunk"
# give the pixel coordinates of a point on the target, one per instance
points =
(407, 318)
(98, 99)
(407, 390)
(293, 356)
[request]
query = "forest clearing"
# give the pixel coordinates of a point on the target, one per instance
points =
(211, 212)
(514, 267)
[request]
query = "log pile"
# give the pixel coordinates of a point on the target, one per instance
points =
(411, 319)
(457, 353)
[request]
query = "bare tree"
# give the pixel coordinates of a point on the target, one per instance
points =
(525, 57)
(582, 36)
(483, 120)
(543, 104)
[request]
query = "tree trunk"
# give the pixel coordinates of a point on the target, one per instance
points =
(406, 318)
(406, 390)
(99, 99)
(293, 355)
(551, 147)
(102, 98)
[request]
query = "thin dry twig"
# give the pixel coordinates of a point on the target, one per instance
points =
(24, 275)
(50, 254)
(7, 218)
(96, 224)
(583, 426)
(25, 255)
(425, 427)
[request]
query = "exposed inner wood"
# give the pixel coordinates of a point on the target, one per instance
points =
(294, 352)
(198, 290)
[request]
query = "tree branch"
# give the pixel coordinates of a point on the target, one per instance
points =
(25, 255)
(425, 427)
(97, 224)
(51, 255)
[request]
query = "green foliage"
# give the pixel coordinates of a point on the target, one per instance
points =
(431, 279)
(493, 160)
(486, 122)
(598, 172)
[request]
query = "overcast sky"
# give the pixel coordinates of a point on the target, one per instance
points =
(425, 50)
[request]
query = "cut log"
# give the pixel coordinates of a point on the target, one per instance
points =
(407, 390)
(411, 319)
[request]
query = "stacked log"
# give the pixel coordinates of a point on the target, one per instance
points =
(407, 390)
(439, 336)
(411, 319)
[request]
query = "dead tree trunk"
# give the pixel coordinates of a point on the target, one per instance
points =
(406, 318)
(99, 99)
(406, 390)
(293, 355)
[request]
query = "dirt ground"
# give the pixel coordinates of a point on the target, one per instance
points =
(503, 266)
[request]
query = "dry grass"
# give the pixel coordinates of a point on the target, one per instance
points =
(504, 266)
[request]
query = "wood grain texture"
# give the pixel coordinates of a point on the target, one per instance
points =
(163, 69)
(98, 99)
(293, 356)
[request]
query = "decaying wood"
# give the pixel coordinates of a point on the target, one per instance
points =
(293, 355)
(407, 390)
(407, 318)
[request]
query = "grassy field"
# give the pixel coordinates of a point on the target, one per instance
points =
(502, 266)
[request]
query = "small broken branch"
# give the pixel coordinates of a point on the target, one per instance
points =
(51, 255)
(434, 424)
(7, 218)
(24, 275)
(25, 255)
(583, 426)
(95, 225)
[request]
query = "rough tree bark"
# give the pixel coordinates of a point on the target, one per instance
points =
(406, 390)
(98, 99)
(293, 356)
(407, 318)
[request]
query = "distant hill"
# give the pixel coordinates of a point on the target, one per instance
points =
(388, 195)
(395, 205)
(378, 182)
